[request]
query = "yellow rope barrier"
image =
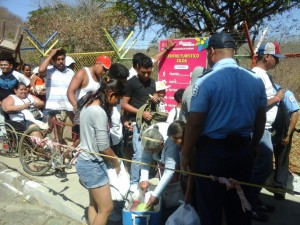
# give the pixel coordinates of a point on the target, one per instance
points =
(272, 189)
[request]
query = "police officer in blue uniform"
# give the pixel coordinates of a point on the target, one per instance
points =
(226, 122)
(282, 146)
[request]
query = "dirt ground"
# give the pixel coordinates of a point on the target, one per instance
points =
(295, 152)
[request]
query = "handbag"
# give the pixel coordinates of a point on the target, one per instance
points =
(83, 100)
(184, 215)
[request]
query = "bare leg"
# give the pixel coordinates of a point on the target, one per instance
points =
(36, 133)
(51, 119)
(101, 205)
(92, 210)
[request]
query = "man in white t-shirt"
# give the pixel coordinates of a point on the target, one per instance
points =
(267, 59)
(57, 78)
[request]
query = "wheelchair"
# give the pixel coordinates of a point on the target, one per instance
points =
(39, 154)
(10, 138)
(19, 140)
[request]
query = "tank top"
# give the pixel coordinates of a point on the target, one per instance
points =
(23, 114)
(92, 85)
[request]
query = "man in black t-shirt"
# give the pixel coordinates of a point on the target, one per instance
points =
(138, 89)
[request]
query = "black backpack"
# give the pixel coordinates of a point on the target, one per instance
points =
(282, 120)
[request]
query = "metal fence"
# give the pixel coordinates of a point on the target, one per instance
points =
(81, 59)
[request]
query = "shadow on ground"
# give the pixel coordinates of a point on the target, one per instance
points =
(287, 212)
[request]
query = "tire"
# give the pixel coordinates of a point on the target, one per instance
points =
(11, 139)
(34, 158)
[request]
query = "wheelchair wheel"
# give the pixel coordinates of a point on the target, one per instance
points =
(35, 157)
(10, 141)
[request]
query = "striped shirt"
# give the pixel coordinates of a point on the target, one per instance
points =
(57, 83)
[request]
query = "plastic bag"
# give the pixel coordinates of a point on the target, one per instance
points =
(184, 215)
(119, 183)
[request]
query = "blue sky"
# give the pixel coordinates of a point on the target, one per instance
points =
(20, 8)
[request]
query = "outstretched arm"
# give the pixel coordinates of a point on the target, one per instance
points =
(170, 45)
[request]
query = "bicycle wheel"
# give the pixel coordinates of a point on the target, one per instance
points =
(34, 157)
(12, 139)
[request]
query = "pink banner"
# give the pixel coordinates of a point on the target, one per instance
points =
(176, 68)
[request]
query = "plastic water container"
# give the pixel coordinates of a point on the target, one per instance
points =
(142, 218)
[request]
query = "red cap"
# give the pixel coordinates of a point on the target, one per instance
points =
(105, 60)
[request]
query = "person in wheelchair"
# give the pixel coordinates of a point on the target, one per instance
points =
(24, 108)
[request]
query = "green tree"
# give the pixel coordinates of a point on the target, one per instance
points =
(79, 25)
(203, 17)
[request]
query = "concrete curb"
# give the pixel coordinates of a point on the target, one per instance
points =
(37, 193)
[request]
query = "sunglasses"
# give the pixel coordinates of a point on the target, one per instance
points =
(104, 69)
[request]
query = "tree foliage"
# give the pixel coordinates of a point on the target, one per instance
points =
(194, 17)
(79, 26)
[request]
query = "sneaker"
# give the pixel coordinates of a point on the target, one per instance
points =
(262, 207)
(259, 216)
(279, 196)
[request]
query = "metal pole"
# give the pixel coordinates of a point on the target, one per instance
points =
(250, 44)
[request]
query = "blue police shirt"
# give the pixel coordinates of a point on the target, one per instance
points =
(230, 96)
(290, 100)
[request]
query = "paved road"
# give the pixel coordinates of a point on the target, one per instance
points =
(14, 209)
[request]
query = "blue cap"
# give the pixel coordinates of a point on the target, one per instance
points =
(221, 40)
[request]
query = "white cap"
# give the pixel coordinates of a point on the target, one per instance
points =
(160, 85)
(35, 70)
(69, 60)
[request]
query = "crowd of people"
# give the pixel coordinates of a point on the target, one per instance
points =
(221, 125)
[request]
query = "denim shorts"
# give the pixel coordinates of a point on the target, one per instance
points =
(92, 173)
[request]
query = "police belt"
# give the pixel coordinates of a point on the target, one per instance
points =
(235, 140)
